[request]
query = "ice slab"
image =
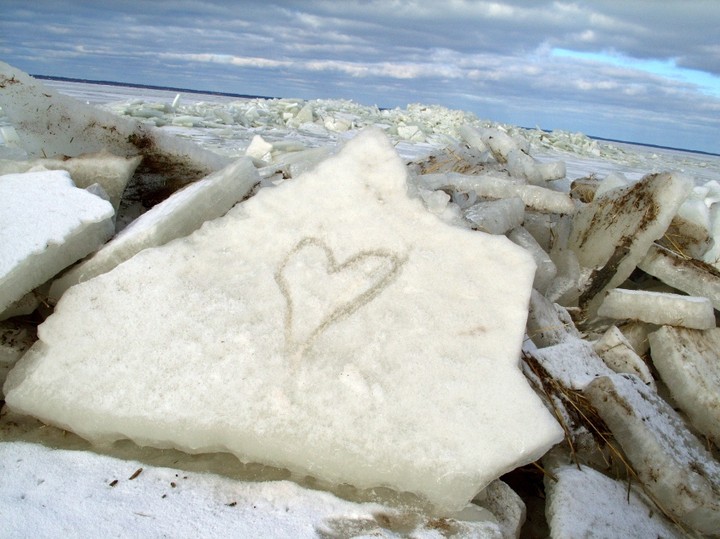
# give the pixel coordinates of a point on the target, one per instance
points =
(548, 323)
(108, 499)
(179, 215)
(70, 128)
(496, 216)
(618, 354)
(689, 363)
(492, 186)
(689, 275)
(614, 232)
(112, 172)
(672, 464)
(46, 224)
(586, 503)
(658, 308)
(572, 362)
(546, 269)
(330, 325)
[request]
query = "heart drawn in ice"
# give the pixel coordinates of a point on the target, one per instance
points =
(319, 291)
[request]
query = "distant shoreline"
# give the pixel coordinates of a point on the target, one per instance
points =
(249, 96)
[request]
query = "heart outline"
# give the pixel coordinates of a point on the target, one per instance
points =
(344, 309)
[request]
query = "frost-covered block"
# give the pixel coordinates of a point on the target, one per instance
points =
(496, 216)
(618, 354)
(46, 224)
(548, 323)
(69, 127)
(586, 503)
(110, 171)
(330, 325)
(177, 216)
(658, 308)
(614, 232)
(670, 461)
(572, 362)
(691, 276)
(546, 270)
(689, 363)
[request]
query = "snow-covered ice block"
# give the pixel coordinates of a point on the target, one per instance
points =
(68, 127)
(496, 216)
(46, 224)
(712, 256)
(330, 325)
(673, 465)
(110, 171)
(177, 216)
(546, 269)
(586, 503)
(689, 363)
(259, 149)
(572, 362)
(614, 232)
(689, 275)
(473, 137)
(658, 308)
(618, 354)
(101, 495)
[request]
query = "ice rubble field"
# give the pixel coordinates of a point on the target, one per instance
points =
(338, 296)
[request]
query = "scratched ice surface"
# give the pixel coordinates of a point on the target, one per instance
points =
(330, 325)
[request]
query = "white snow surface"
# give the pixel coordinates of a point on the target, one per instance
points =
(352, 336)
(46, 224)
(42, 501)
(586, 503)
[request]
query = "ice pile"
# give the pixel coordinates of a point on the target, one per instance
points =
(342, 314)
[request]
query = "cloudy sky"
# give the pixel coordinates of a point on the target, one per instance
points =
(638, 70)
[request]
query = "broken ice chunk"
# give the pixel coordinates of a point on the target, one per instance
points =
(689, 363)
(546, 270)
(112, 172)
(46, 224)
(524, 166)
(612, 233)
(69, 127)
(505, 505)
(618, 354)
(573, 363)
(689, 275)
(549, 323)
(496, 216)
(352, 336)
(491, 186)
(586, 503)
(658, 308)
(185, 211)
(611, 182)
(671, 463)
